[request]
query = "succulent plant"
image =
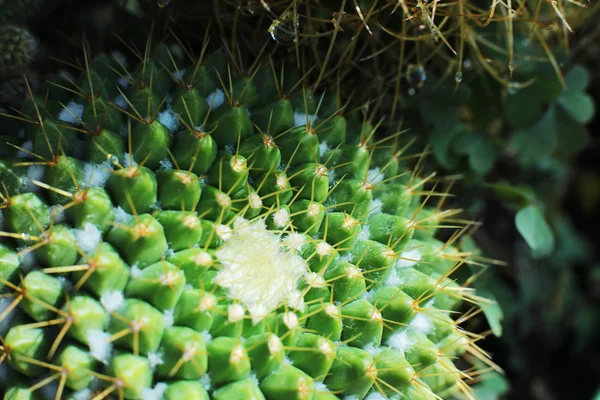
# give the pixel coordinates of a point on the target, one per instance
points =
(179, 230)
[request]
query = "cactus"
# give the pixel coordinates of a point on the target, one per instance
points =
(186, 231)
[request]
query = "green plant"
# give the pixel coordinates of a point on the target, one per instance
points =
(182, 228)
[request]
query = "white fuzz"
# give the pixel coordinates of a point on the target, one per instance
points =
(155, 358)
(409, 258)
(376, 396)
(72, 113)
(34, 173)
(223, 232)
(206, 336)
(100, 346)
(216, 98)
(178, 74)
(257, 267)
(84, 394)
(274, 344)
(376, 205)
(28, 145)
(315, 280)
(28, 261)
(112, 301)
(300, 118)
(254, 200)
(323, 148)
(281, 218)
(313, 209)
(165, 164)
(235, 313)
(168, 318)
(374, 176)
(364, 233)
(169, 118)
(393, 279)
(326, 347)
(121, 102)
(97, 174)
(400, 341)
(128, 161)
(203, 259)
(294, 241)
(135, 271)
(156, 393)
(123, 82)
(122, 216)
(88, 238)
(205, 381)
(58, 214)
(290, 320)
(373, 350)
(320, 387)
(422, 323)
(324, 248)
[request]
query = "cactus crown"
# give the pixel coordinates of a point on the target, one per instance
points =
(179, 230)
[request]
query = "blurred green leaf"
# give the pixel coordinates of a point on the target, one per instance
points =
(492, 311)
(572, 137)
(532, 225)
(481, 151)
(577, 79)
(537, 141)
(492, 387)
(579, 105)
(520, 196)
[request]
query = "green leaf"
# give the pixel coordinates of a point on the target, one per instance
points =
(579, 105)
(492, 311)
(577, 79)
(520, 196)
(532, 225)
(539, 140)
(492, 387)
(572, 137)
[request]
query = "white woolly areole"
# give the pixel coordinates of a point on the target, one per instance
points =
(83, 394)
(100, 346)
(323, 148)
(258, 268)
(169, 318)
(111, 301)
(122, 216)
(169, 119)
(28, 145)
(34, 173)
(409, 258)
(71, 113)
(155, 358)
(400, 341)
(216, 98)
(422, 323)
(155, 393)
(376, 396)
(97, 174)
(88, 238)
(300, 118)
(235, 313)
(281, 218)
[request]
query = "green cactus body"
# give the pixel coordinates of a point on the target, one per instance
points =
(189, 255)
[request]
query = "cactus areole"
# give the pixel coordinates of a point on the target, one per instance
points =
(187, 233)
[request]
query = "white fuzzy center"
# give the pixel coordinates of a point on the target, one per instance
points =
(259, 269)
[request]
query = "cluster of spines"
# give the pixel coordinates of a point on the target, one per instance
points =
(148, 212)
